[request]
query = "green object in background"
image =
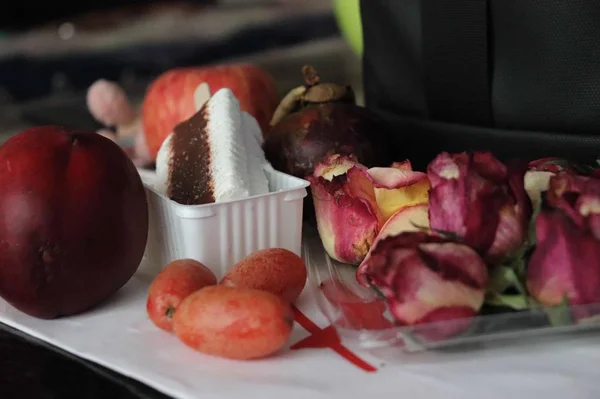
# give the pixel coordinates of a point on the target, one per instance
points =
(347, 14)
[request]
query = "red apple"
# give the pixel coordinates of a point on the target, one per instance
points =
(74, 220)
(170, 98)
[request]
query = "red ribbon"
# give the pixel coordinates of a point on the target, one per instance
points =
(327, 338)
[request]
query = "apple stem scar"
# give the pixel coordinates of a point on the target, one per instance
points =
(170, 312)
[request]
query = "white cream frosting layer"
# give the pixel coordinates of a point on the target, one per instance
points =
(236, 156)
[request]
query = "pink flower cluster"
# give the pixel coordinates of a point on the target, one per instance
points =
(430, 242)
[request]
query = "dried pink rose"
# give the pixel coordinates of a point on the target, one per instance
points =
(482, 201)
(428, 279)
(352, 203)
(566, 261)
(347, 216)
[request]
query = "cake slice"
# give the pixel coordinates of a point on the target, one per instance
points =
(255, 155)
(214, 156)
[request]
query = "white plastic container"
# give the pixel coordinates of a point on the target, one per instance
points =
(219, 235)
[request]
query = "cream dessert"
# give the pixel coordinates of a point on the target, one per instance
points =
(214, 156)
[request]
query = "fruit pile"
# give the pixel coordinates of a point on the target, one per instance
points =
(74, 209)
(247, 315)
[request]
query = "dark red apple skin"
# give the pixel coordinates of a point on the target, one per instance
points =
(74, 221)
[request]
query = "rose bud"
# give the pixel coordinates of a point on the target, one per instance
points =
(429, 279)
(411, 211)
(481, 201)
(352, 202)
(347, 216)
(565, 264)
(399, 186)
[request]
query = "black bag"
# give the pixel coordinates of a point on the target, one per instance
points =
(520, 78)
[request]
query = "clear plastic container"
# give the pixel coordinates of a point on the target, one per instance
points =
(362, 319)
(221, 234)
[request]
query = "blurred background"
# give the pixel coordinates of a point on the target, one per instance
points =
(52, 52)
